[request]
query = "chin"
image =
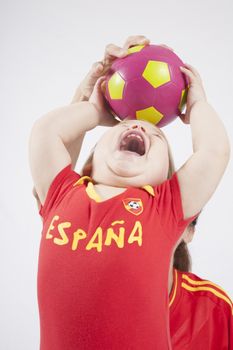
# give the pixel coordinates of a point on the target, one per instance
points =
(126, 166)
(123, 169)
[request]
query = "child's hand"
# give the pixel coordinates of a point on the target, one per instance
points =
(105, 117)
(196, 90)
(85, 88)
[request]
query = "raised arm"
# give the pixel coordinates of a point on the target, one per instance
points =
(52, 144)
(82, 93)
(201, 174)
(50, 137)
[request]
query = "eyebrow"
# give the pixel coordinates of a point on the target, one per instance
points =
(157, 131)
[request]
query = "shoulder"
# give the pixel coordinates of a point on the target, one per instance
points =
(197, 287)
(62, 183)
(169, 201)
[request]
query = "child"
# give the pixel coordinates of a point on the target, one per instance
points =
(192, 301)
(200, 311)
(107, 240)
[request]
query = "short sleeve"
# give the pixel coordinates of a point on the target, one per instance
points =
(169, 205)
(59, 187)
(230, 327)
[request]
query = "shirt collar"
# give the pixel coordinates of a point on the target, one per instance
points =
(148, 188)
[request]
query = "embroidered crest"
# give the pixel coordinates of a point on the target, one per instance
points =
(133, 205)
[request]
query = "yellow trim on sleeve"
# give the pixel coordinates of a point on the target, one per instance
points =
(200, 283)
(209, 289)
(175, 289)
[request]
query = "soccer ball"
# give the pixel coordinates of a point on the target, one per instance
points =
(147, 84)
(134, 205)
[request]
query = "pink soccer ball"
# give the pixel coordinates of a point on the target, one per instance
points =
(148, 85)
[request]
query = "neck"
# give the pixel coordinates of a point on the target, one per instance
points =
(98, 185)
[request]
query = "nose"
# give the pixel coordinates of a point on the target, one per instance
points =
(138, 127)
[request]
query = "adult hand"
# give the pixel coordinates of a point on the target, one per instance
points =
(100, 68)
(94, 83)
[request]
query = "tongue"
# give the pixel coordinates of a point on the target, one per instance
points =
(133, 146)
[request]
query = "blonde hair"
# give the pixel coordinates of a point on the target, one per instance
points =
(87, 167)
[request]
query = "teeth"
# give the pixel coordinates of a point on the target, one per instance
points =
(135, 135)
(127, 144)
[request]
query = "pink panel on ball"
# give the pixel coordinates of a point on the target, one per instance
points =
(156, 52)
(139, 94)
(118, 106)
(167, 100)
(177, 77)
(132, 66)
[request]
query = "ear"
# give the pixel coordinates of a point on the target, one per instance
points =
(188, 234)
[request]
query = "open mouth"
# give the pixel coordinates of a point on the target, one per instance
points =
(133, 141)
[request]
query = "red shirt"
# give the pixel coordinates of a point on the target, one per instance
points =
(200, 314)
(103, 265)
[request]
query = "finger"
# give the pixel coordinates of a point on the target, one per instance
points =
(93, 74)
(166, 47)
(135, 40)
(96, 69)
(188, 73)
(91, 78)
(112, 51)
(184, 118)
(86, 86)
(99, 82)
(194, 70)
(103, 86)
(113, 121)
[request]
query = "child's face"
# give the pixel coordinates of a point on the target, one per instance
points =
(132, 153)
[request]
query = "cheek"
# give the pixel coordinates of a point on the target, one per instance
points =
(106, 141)
(159, 153)
(101, 153)
(98, 157)
(159, 160)
(166, 160)
(165, 164)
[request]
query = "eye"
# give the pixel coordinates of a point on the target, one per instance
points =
(158, 135)
(123, 123)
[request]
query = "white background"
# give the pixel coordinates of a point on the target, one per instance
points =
(46, 49)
